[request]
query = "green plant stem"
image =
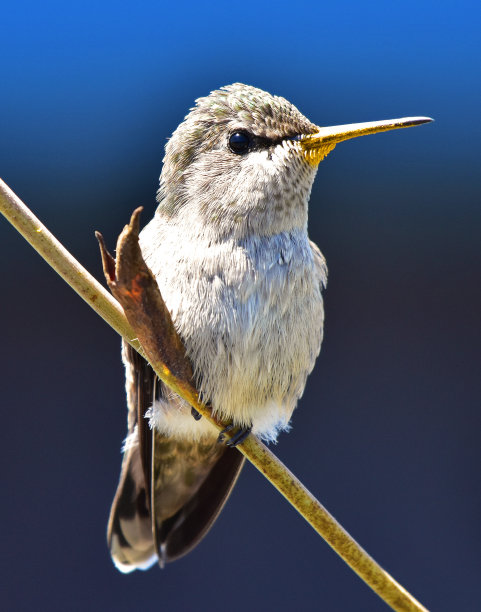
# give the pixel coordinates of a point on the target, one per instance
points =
(258, 454)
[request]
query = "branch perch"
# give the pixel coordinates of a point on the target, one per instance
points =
(147, 326)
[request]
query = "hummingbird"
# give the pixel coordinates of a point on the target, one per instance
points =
(229, 248)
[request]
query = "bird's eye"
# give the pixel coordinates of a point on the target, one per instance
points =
(239, 142)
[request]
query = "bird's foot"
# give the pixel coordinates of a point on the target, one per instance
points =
(197, 416)
(237, 438)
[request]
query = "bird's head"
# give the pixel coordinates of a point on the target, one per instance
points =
(243, 162)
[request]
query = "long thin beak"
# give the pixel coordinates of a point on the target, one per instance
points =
(317, 146)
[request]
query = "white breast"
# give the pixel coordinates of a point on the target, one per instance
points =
(250, 313)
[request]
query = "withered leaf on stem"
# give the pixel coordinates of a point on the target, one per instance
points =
(133, 284)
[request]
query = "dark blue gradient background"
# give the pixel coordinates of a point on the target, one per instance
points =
(388, 432)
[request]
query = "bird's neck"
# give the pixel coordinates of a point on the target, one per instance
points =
(224, 221)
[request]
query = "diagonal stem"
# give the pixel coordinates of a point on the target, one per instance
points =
(258, 454)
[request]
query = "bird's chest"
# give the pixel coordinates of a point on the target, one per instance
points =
(250, 314)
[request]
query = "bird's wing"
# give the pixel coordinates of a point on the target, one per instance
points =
(170, 490)
(320, 263)
(129, 531)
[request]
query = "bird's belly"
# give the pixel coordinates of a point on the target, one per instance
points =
(252, 329)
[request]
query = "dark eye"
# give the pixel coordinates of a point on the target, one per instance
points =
(239, 142)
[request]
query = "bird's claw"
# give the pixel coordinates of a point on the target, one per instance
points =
(197, 416)
(237, 438)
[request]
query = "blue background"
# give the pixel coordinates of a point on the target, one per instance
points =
(387, 434)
